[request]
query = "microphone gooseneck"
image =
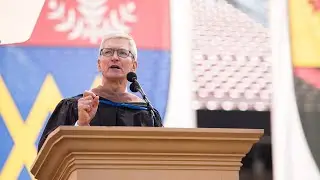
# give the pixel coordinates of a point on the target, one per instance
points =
(135, 87)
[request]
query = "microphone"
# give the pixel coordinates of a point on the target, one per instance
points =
(131, 77)
(135, 87)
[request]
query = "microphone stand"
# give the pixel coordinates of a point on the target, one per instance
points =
(136, 87)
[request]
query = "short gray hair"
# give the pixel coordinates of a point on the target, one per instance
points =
(121, 34)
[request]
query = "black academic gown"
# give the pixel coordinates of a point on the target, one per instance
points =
(108, 114)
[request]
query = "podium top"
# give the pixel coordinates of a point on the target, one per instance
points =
(153, 131)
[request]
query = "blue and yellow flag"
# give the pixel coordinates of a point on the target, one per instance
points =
(59, 61)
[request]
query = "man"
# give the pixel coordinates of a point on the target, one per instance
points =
(109, 104)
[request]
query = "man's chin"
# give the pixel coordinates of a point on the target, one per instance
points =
(115, 77)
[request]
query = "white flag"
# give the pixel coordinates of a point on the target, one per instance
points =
(18, 19)
(179, 109)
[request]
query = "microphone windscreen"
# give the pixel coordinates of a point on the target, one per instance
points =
(131, 76)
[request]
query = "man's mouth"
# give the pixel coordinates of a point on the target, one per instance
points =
(115, 67)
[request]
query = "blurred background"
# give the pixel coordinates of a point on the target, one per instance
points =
(232, 73)
(230, 59)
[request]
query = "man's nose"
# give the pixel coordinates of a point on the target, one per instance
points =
(115, 56)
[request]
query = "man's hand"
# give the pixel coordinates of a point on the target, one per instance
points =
(87, 108)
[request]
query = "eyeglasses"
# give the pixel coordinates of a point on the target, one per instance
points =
(108, 52)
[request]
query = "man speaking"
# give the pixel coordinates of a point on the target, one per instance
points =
(109, 104)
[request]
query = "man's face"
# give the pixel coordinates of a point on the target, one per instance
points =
(116, 65)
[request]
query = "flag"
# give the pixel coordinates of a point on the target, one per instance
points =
(179, 110)
(16, 14)
(59, 61)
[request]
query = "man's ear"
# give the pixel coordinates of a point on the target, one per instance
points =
(98, 65)
(134, 66)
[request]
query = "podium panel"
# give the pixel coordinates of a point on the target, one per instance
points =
(153, 174)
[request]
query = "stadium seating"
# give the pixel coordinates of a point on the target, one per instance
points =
(230, 56)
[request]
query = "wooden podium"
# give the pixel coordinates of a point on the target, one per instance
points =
(143, 153)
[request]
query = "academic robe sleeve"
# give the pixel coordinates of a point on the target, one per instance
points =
(65, 113)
